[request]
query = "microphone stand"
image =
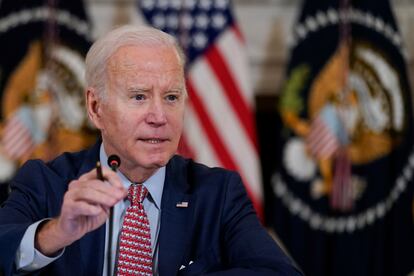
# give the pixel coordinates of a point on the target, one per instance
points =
(111, 218)
(110, 232)
(114, 162)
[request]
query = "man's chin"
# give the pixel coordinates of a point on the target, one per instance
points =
(156, 163)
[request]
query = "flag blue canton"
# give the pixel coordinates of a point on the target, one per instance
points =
(195, 23)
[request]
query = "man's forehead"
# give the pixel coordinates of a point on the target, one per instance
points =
(132, 56)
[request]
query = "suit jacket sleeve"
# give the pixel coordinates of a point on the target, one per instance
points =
(26, 204)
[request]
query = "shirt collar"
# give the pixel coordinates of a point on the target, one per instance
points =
(154, 184)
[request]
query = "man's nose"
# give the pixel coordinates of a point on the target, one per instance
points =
(156, 113)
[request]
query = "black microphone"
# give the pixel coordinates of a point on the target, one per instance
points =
(114, 162)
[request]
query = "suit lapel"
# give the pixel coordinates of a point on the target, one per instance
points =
(176, 221)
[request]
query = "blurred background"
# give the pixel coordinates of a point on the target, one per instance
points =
(310, 101)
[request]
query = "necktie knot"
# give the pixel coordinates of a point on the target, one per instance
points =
(137, 193)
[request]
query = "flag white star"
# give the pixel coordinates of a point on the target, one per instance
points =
(158, 21)
(189, 4)
(199, 40)
(163, 4)
(205, 4)
(221, 4)
(148, 4)
(187, 21)
(202, 21)
(176, 4)
(219, 20)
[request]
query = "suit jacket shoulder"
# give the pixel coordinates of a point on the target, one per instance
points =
(195, 174)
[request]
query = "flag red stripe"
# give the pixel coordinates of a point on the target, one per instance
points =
(184, 148)
(207, 124)
(13, 130)
(328, 146)
(17, 140)
(19, 133)
(20, 148)
(13, 136)
(15, 144)
(221, 151)
(320, 140)
(222, 73)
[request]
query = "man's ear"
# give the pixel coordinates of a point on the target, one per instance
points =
(93, 107)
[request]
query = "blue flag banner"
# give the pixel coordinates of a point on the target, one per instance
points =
(42, 44)
(343, 191)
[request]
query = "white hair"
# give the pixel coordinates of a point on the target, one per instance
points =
(100, 52)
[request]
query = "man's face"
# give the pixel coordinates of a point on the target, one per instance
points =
(141, 116)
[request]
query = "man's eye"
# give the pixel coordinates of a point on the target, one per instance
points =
(139, 97)
(172, 98)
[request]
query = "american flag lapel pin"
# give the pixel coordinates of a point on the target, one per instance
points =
(182, 204)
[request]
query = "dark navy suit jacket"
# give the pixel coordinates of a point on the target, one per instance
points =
(218, 231)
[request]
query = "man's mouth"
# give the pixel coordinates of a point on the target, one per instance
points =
(153, 140)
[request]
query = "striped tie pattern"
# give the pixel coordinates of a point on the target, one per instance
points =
(135, 253)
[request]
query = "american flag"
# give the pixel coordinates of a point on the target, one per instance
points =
(326, 133)
(18, 134)
(327, 139)
(219, 126)
(321, 140)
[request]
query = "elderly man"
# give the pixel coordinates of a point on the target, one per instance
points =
(171, 216)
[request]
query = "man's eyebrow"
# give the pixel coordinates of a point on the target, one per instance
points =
(138, 89)
(175, 90)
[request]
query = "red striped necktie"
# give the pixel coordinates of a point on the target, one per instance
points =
(135, 253)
